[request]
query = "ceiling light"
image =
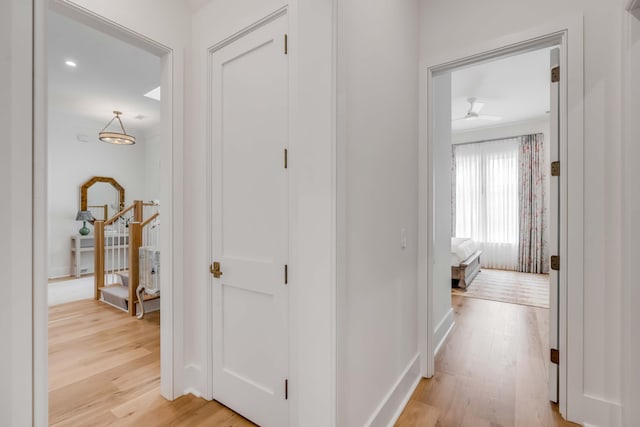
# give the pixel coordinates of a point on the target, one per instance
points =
(116, 137)
(70, 63)
(154, 94)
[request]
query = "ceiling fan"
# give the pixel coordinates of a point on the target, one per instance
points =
(474, 112)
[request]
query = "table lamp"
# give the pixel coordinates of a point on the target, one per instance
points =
(84, 216)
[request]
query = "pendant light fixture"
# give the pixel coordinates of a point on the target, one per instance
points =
(116, 137)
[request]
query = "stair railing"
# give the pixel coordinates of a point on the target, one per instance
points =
(117, 250)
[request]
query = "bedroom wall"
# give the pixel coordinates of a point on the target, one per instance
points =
(598, 400)
(71, 163)
(377, 124)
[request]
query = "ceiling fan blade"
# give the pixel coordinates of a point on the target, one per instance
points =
(476, 107)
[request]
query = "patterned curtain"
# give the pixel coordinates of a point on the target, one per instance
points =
(533, 250)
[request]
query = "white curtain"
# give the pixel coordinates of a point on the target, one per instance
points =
(487, 200)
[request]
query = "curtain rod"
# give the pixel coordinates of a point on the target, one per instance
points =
(495, 139)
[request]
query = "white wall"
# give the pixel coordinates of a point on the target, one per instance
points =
(311, 167)
(631, 225)
(445, 28)
(15, 212)
(152, 168)
(71, 164)
(377, 124)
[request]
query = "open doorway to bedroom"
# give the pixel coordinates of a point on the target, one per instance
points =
(493, 130)
(500, 179)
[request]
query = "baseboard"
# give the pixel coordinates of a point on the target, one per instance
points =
(599, 412)
(443, 329)
(58, 272)
(396, 399)
(192, 377)
(192, 391)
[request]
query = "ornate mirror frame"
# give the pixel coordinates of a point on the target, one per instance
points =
(85, 187)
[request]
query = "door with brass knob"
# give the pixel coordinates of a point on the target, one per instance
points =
(250, 224)
(214, 268)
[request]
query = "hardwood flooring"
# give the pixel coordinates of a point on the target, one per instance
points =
(491, 371)
(104, 369)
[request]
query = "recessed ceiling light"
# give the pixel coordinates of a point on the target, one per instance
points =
(70, 63)
(154, 94)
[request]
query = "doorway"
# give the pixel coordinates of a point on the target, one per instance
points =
(436, 168)
(68, 72)
(501, 192)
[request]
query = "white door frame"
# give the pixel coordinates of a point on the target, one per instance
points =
(171, 211)
(568, 33)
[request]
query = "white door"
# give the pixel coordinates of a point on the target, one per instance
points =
(250, 224)
(554, 220)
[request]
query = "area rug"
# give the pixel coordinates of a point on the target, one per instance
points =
(509, 286)
(70, 290)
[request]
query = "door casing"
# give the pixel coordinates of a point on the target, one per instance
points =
(170, 352)
(571, 188)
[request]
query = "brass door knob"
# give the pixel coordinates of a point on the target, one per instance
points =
(215, 270)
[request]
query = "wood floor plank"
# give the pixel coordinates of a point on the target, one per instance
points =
(491, 371)
(104, 370)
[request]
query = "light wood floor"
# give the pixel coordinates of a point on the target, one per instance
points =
(491, 371)
(104, 369)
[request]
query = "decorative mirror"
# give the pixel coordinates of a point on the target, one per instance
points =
(103, 196)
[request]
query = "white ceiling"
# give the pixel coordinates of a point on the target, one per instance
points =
(516, 88)
(110, 75)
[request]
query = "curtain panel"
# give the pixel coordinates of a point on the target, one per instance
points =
(487, 201)
(533, 249)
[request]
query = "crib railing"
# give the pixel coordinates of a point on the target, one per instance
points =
(117, 243)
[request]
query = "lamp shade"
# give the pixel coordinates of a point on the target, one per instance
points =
(84, 216)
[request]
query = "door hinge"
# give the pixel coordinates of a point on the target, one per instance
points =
(555, 262)
(555, 74)
(555, 356)
(286, 274)
(555, 168)
(286, 389)
(286, 158)
(286, 44)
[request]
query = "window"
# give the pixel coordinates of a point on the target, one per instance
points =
(486, 197)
